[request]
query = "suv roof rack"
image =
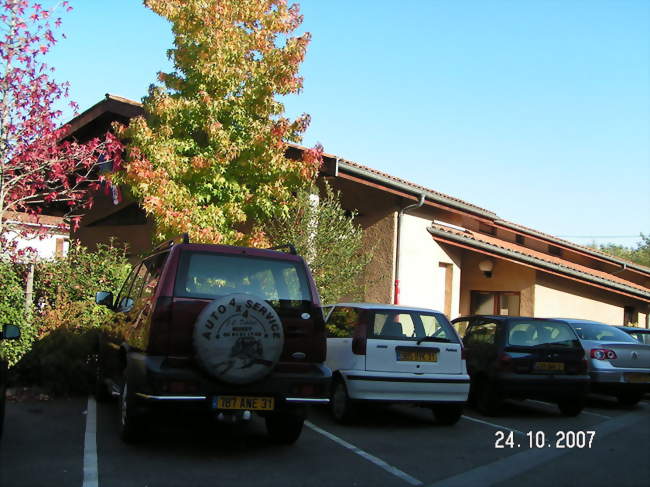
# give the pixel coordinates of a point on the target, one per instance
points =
(182, 238)
(290, 247)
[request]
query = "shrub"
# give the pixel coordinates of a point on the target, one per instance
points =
(66, 317)
(330, 241)
(12, 312)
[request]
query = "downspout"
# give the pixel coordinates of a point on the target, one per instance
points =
(620, 270)
(397, 243)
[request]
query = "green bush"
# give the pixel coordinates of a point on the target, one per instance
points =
(66, 318)
(12, 312)
(329, 239)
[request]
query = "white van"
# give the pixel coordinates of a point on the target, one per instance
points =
(394, 354)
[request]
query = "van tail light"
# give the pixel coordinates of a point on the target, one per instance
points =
(359, 339)
(603, 354)
(504, 361)
(160, 321)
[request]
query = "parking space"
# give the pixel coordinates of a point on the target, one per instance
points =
(391, 446)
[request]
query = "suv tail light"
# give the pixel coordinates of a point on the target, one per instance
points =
(359, 339)
(603, 354)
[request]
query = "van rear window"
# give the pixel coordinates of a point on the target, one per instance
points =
(541, 333)
(209, 275)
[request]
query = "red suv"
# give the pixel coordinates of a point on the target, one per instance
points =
(219, 329)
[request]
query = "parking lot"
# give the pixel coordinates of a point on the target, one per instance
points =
(74, 442)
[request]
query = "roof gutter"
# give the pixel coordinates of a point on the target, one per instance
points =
(538, 262)
(397, 242)
(564, 243)
(437, 197)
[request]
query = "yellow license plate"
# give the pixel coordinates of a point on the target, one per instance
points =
(550, 366)
(417, 356)
(246, 402)
(637, 377)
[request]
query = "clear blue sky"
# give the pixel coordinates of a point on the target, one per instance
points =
(538, 110)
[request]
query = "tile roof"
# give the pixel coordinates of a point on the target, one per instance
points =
(566, 243)
(27, 219)
(514, 250)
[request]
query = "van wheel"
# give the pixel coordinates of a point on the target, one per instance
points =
(284, 428)
(571, 407)
(130, 424)
(488, 401)
(447, 414)
(342, 407)
(629, 399)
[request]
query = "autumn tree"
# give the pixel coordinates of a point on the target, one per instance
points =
(208, 157)
(38, 165)
(329, 240)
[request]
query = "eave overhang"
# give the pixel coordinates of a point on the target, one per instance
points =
(569, 271)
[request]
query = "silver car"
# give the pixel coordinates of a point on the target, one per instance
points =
(618, 364)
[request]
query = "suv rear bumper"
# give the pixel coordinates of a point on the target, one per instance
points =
(158, 380)
(198, 398)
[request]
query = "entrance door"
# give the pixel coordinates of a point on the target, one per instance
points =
(495, 303)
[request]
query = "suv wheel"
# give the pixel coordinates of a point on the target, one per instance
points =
(571, 407)
(101, 391)
(447, 414)
(2, 408)
(284, 428)
(130, 424)
(488, 401)
(341, 405)
(629, 399)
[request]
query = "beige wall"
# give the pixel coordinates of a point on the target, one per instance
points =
(556, 297)
(422, 280)
(506, 276)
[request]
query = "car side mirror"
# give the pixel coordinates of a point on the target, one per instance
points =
(10, 332)
(104, 298)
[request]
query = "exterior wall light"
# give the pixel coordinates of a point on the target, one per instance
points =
(486, 267)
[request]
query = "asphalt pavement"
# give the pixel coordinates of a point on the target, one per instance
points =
(74, 442)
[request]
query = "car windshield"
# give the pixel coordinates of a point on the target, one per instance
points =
(209, 275)
(412, 325)
(600, 332)
(541, 333)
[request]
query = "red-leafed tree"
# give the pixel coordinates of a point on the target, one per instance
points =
(39, 166)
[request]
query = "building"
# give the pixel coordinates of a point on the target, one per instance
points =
(429, 249)
(48, 236)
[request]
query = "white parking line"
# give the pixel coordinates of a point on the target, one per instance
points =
(90, 446)
(493, 425)
(583, 411)
(371, 458)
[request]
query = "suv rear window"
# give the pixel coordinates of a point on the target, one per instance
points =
(409, 325)
(541, 333)
(210, 275)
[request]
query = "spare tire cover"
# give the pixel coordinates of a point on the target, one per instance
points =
(238, 338)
